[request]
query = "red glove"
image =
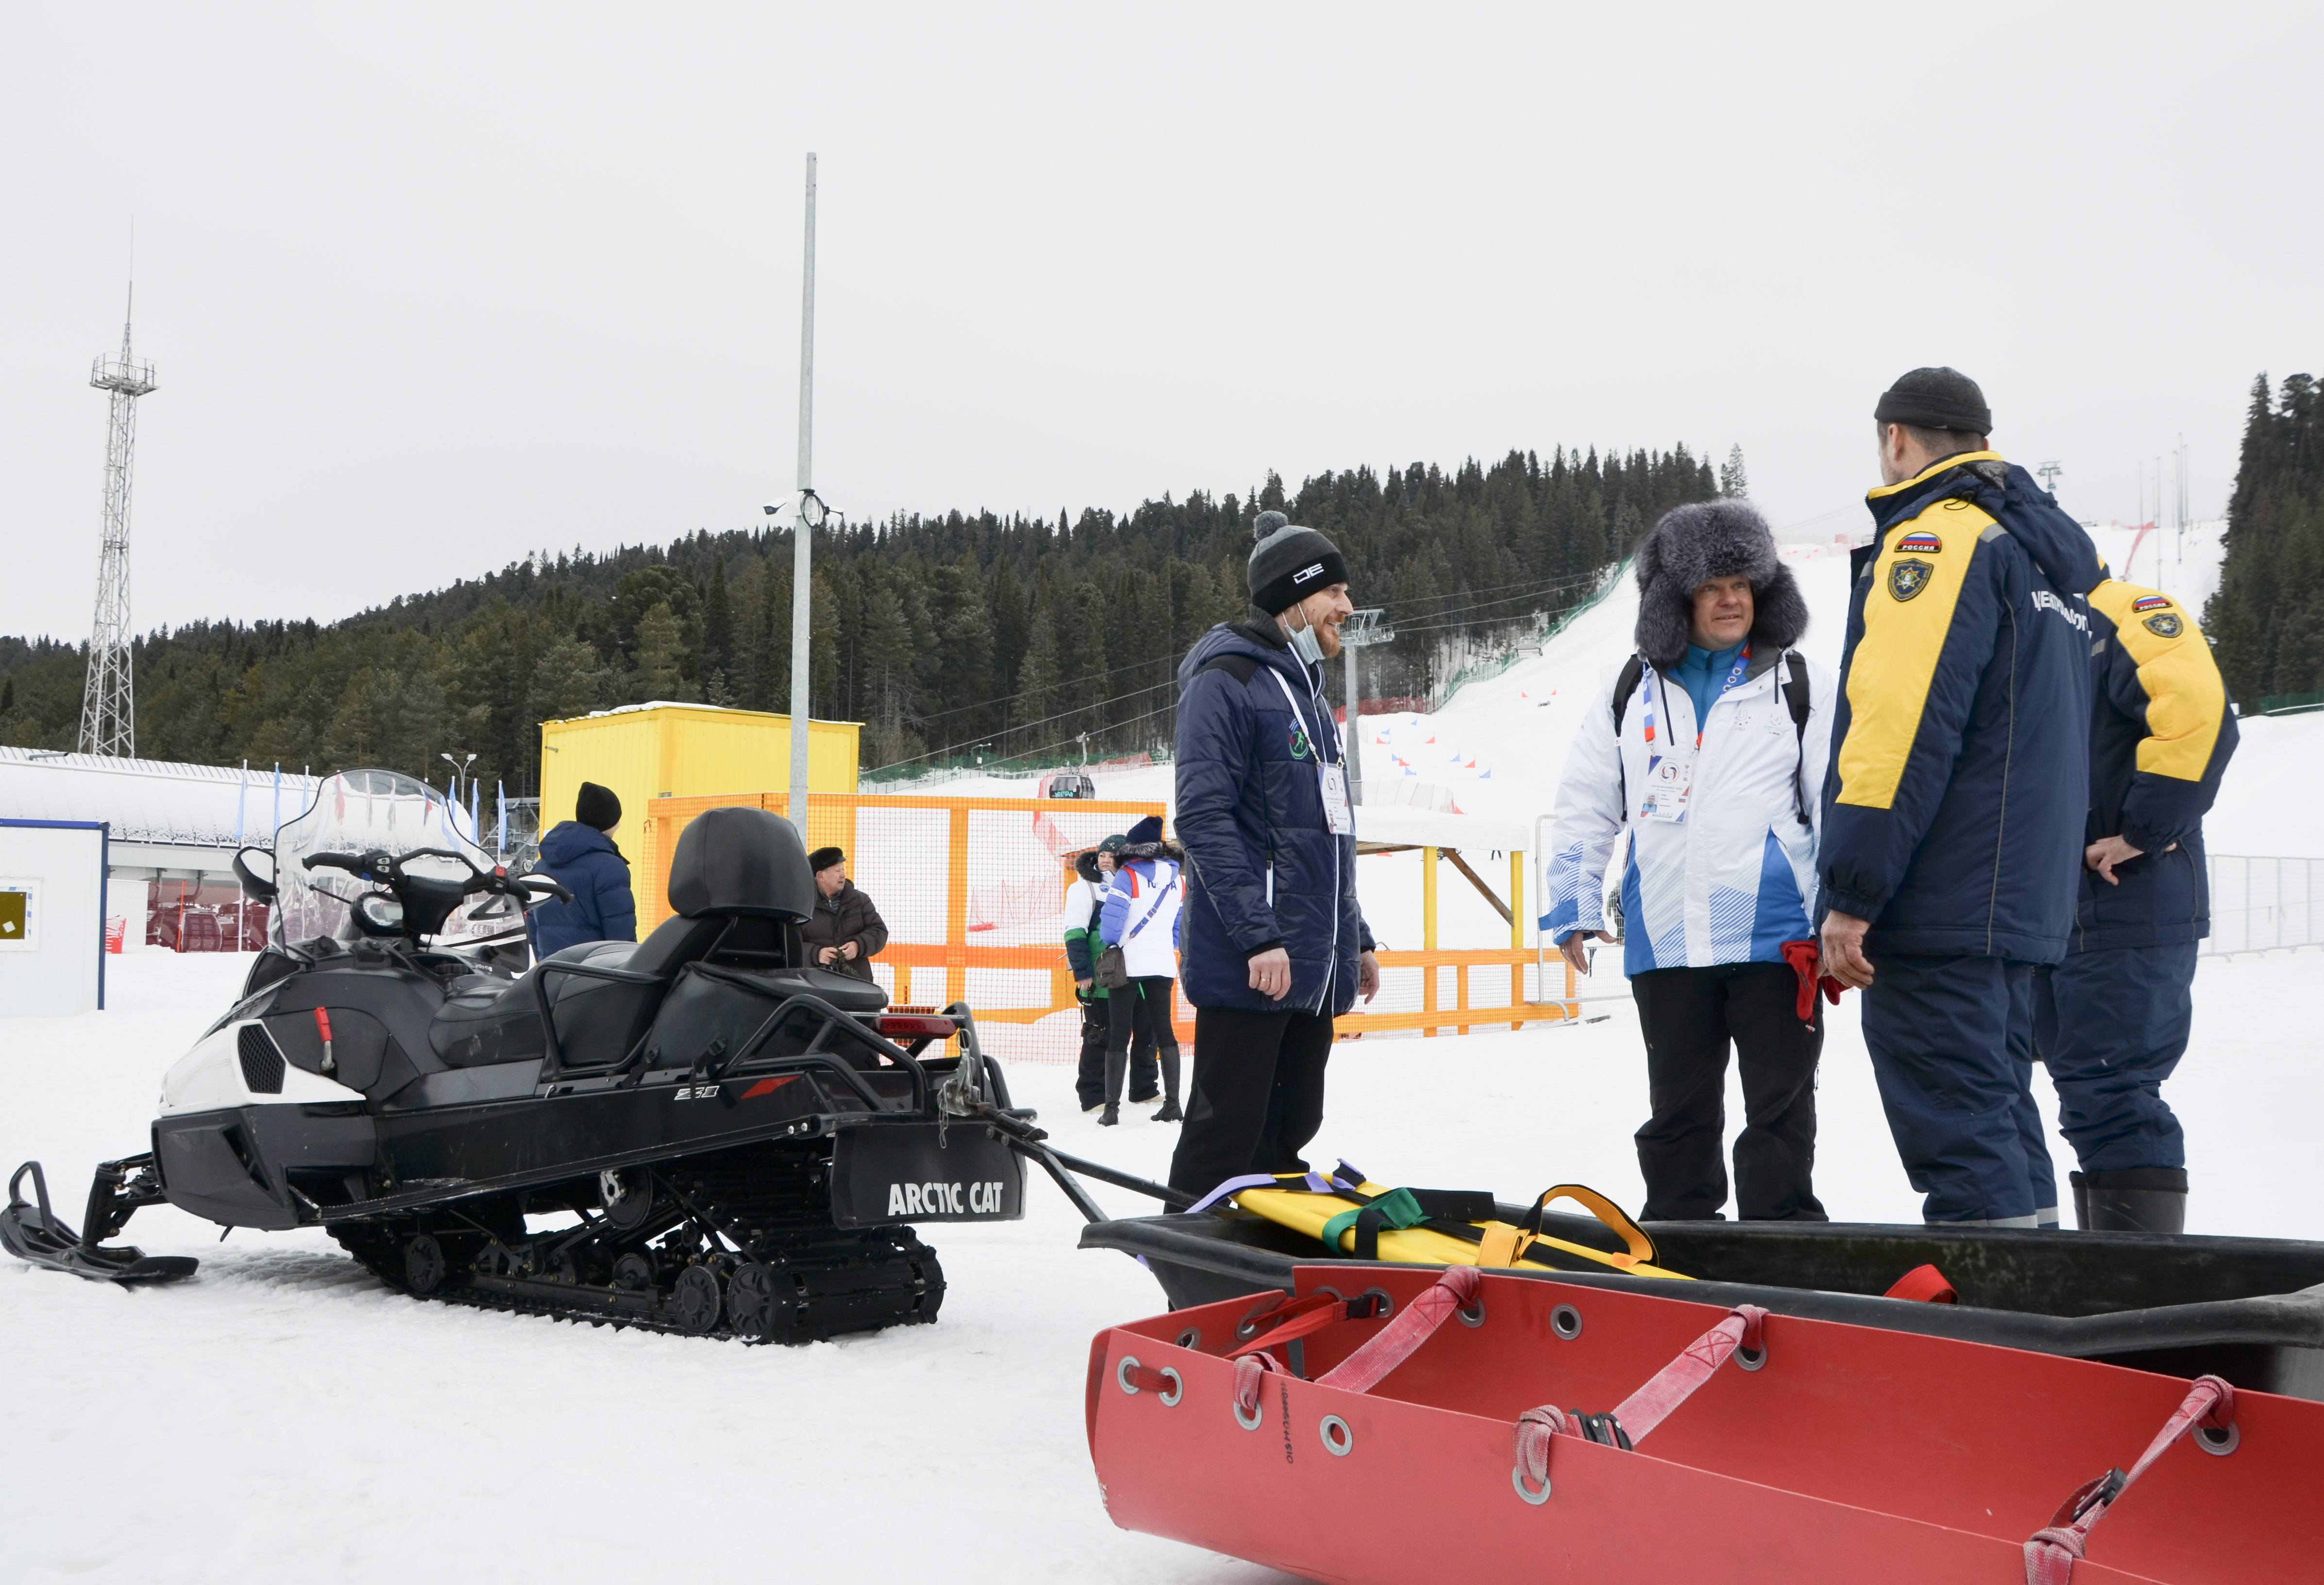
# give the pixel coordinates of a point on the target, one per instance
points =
(1805, 957)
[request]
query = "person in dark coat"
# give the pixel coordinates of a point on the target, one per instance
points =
(845, 932)
(579, 854)
(2111, 1022)
(1955, 801)
(1274, 945)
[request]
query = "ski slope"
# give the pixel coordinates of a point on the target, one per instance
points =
(282, 1417)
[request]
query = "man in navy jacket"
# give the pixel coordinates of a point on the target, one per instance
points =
(2111, 1022)
(1954, 803)
(580, 854)
(1275, 947)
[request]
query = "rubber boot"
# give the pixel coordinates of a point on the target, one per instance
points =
(2135, 1200)
(1117, 1066)
(1169, 1112)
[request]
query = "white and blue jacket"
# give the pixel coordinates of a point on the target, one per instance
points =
(1737, 878)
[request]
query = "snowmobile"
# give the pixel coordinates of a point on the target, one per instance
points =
(697, 1133)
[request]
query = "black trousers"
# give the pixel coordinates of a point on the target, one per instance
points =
(1257, 1095)
(1690, 1016)
(1097, 1032)
(1143, 1007)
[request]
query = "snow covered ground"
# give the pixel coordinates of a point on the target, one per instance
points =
(280, 1416)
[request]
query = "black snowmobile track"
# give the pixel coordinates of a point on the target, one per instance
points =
(735, 1244)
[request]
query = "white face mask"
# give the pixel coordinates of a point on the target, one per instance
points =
(1303, 643)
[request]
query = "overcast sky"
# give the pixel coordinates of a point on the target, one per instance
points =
(428, 287)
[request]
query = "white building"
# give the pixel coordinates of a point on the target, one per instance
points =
(174, 830)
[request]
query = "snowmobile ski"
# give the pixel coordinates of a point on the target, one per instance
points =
(30, 1232)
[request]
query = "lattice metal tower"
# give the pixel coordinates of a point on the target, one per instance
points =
(109, 701)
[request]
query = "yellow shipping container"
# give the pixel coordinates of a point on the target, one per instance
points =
(645, 751)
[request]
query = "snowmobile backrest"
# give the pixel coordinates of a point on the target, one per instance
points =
(738, 860)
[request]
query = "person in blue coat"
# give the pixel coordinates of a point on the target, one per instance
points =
(1955, 798)
(1274, 946)
(579, 853)
(2111, 1022)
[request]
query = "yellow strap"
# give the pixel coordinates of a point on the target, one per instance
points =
(1642, 1247)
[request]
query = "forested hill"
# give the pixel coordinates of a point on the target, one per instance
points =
(2267, 619)
(941, 633)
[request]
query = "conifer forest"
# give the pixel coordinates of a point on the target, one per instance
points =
(953, 638)
(2266, 622)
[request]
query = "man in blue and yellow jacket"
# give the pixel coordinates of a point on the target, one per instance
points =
(2111, 1022)
(1955, 802)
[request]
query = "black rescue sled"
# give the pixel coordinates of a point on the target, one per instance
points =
(2248, 1310)
(694, 1133)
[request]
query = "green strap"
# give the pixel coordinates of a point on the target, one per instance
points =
(1396, 1208)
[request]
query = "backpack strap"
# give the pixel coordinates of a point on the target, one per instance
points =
(1795, 695)
(1241, 668)
(1625, 686)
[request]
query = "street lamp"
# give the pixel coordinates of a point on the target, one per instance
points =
(459, 771)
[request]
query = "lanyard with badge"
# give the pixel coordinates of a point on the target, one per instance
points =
(1670, 777)
(1330, 781)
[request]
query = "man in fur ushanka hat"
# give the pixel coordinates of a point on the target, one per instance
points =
(1710, 748)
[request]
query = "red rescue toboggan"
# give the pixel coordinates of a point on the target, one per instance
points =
(1481, 1428)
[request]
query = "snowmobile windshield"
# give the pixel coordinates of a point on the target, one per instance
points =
(376, 811)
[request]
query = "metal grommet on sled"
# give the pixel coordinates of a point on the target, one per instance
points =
(1250, 1423)
(1165, 1384)
(1518, 1479)
(1566, 1321)
(1472, 1313)
(2217, 1443)
(1338, 1440)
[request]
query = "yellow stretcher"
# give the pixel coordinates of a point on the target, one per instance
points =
(1503, 1244)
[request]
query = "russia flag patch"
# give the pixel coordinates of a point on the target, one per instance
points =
(1921, 543)
(2152, 603)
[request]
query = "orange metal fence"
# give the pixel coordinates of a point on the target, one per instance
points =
(972, 890)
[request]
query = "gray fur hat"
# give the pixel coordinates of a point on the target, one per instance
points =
(1709, 539)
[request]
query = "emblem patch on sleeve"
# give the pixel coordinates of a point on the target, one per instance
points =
(2152, 602)
(2165, 624)
(1920, 543)
(1908, 578)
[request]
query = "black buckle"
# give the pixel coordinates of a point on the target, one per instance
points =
(1602, 1429)
(2102, 1492)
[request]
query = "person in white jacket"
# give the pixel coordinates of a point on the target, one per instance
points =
(1708, 748)
(1142, 916)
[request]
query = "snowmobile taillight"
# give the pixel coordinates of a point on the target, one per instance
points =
(916, 1026)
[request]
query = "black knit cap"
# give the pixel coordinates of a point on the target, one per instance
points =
(597, 807)
(1290, 563)
(1936, 399)
(823, 858)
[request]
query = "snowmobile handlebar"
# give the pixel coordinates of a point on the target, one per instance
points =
(388, 870)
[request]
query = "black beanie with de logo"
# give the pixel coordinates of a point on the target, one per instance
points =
(1290, 563)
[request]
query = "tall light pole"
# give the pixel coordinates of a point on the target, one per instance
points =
(1364, 627)
(108, 706)
(810, 514)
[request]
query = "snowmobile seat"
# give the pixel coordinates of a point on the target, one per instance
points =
(739, 875)
(597, 1020)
